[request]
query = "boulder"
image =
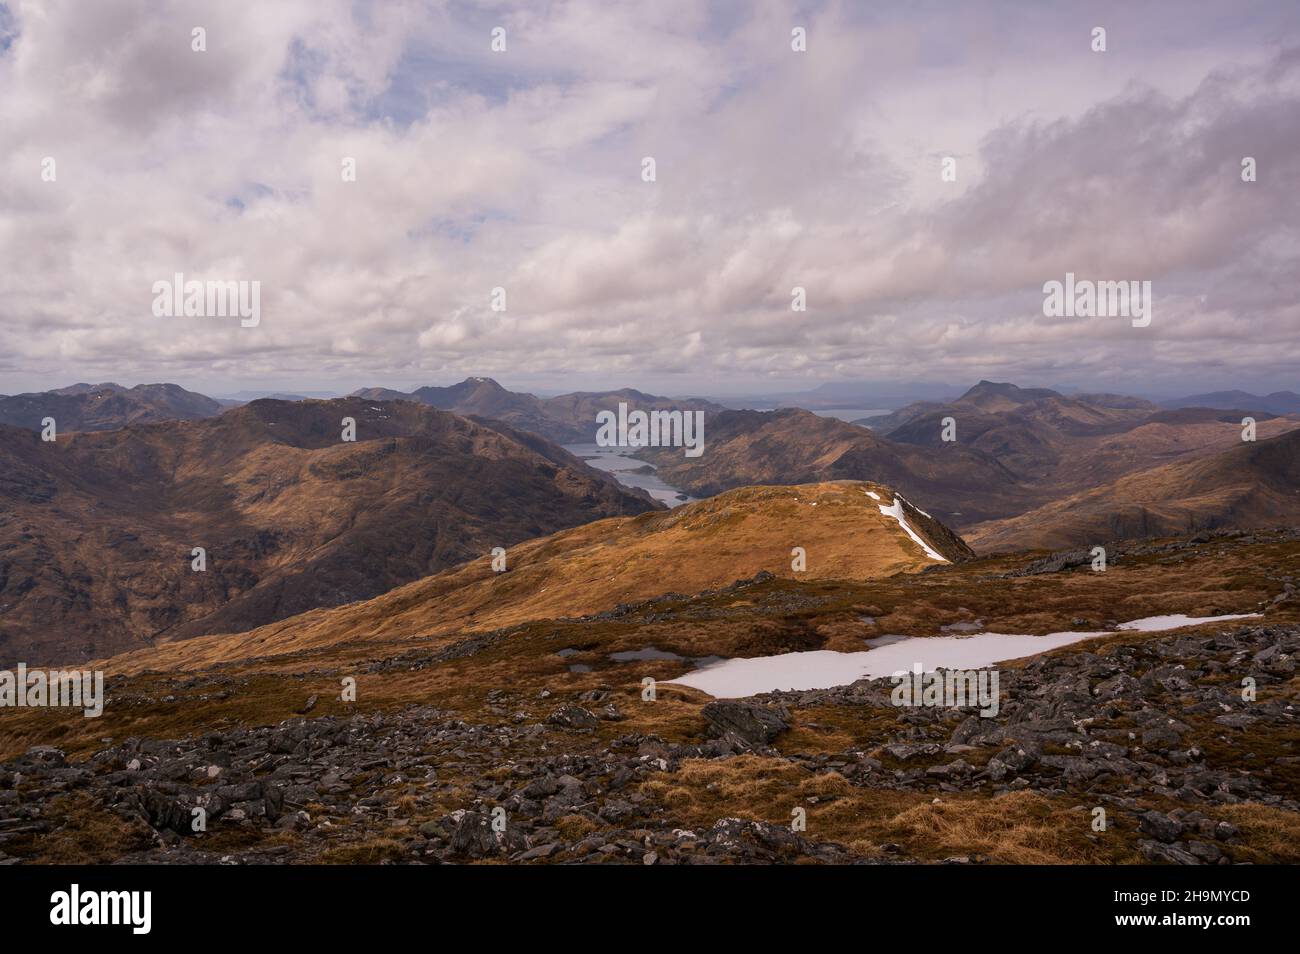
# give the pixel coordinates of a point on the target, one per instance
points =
(751, 722)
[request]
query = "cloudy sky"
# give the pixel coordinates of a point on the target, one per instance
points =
(774, 168)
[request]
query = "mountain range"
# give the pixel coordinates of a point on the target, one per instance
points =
(1014, 451)
(1278, 402)
(97, 529)
(559, 675)
(566, 419)
(100, 407)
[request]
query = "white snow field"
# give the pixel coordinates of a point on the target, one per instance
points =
(822, 669)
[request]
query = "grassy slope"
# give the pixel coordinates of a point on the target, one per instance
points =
(598, 566)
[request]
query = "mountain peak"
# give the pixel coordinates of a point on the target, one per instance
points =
(1003, 393)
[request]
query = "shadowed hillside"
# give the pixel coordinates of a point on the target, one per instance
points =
(104, 407)
(1252, 485)
(743, 448)
(96, 531)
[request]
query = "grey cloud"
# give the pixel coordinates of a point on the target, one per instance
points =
(522, 169)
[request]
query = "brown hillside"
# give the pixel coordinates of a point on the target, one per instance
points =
(1057, 445)
(102, 407)
(742, 448)
(596, 567)
(1017, 450)
(1251, 485)
(96, 531)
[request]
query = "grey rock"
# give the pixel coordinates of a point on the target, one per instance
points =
(751, 722)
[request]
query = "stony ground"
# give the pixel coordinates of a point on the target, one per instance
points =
(1152, 729)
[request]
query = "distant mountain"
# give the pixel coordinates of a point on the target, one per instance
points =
(992, 398)
(243, 397)
(102, 407)
(96, 531)
(1017, 449)
(382, 394)
(1029, 430)
(744, 448)
(611, 563)
(483, 397)
(838, 395)
(1251, 485)
(1279, 402)
(566, 419)
(1057, 445)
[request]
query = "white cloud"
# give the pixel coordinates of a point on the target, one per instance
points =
(522, 169)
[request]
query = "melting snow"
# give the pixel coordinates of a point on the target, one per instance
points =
(821, 669)
(895, 510)
(1154, 623)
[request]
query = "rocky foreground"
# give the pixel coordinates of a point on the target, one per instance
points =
(1154, 730)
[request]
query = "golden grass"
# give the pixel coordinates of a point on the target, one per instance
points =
(1016, 828)
(1269, 835)
(773, 617)
(370, 851)
(597, 566)
(86, 833)
(574, 827)
(1020, 828)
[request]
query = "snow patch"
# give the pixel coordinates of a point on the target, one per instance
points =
(822, 669)
(895, 510)
(1151, 624)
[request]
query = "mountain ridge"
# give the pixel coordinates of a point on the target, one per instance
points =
(842, 526)
(566, 418)
(1253, 485)
(97, 530)
(98, 407)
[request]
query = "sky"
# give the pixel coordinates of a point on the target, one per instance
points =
(775, 168)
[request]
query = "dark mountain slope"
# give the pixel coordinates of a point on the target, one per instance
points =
(96, 531)
(102, 407)
(1251, 485)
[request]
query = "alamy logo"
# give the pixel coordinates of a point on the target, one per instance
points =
(195, 299)
(75, 689)
(1088, 299)
(103, 907)
(976, 688)
(653, 429)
